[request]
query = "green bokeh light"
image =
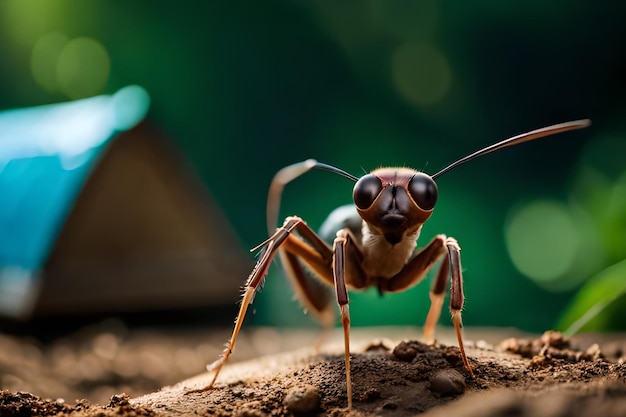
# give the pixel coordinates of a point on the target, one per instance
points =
(83, 68)
(542, 241)
(421, 73)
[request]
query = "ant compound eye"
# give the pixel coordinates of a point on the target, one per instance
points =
(423, 191)
(366, 190)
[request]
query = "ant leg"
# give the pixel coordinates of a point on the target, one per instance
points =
(437, 294)
(339, 269)
(314, 256)
(456, 296)
(252, 284)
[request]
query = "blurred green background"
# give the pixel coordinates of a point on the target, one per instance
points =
(247, 87)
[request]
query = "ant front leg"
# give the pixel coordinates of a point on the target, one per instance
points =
(456, 296)
(452, 263)
(316, 254)
(346, 269)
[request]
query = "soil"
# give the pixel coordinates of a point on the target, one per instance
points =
(108, 370)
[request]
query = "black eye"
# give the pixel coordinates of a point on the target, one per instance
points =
(366, 190)
(423, 190)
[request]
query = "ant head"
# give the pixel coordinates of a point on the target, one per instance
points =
(395, 201)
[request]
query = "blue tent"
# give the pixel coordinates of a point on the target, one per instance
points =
(47, 155)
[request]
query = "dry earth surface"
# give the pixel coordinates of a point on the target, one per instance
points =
(108, 370)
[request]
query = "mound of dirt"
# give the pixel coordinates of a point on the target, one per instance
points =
(546, 376)
(411, 378)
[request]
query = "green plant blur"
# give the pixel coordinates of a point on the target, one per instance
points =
(247, 87)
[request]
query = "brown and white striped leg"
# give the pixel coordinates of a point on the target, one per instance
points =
(316, 255)
(456, 296)
(339, 273)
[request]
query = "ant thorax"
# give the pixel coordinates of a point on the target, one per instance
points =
(381, 259)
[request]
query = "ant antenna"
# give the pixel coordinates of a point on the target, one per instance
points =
(516, 140)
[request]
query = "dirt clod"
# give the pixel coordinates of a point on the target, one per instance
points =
(405, 351)
(551, 347)
(118, 400)
(447, 382)
(303, 399)
(22, 404)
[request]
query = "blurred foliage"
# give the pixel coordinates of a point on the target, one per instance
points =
(598, 201)
(582, 246)
(598, 305)
(248, 87)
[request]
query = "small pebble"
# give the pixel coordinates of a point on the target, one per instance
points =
(593, 352)
(447, 382)
(379, 345)
(405, 352)
(303, 399)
